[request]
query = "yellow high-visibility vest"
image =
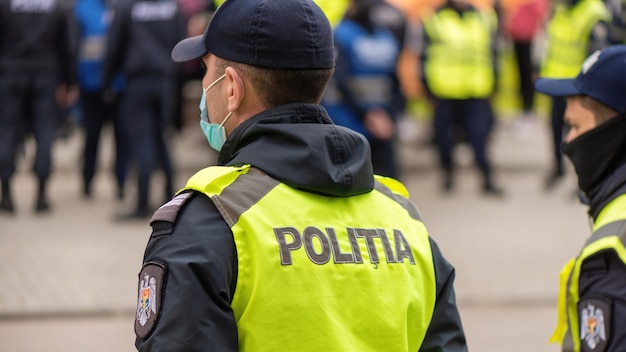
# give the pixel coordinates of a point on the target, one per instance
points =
(568, 37)
(319, 273)
(609, 232)
(459, 61)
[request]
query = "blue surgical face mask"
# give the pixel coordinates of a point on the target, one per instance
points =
(214, 133)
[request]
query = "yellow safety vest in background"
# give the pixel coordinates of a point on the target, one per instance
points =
(609, 233)
(319, 273)
(459, 62)
(568, 37)
(334, 9)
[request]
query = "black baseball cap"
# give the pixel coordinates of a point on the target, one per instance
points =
(602, 77)
(279, 34)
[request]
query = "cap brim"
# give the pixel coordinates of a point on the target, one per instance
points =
(189, 49)
(557, 87)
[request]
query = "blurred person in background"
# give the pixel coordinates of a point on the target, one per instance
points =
(235, 261)
(195, 15)
(364, 92)
(140, 39)
(617, 27)
(37, 81)
(387, 15)
(459, 75)
(592, 300)
(522, 21)
(98, 105)
(576, 28)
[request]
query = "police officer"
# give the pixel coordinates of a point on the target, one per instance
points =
(592, 303)
(37, 80)
(140, 38)
(459, 67)
(576, 29)
(364, 92)
(291, 243)
(617, 27)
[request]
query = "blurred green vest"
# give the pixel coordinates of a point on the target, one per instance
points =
(568, 37)
(459, 62)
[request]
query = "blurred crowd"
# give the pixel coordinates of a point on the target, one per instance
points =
(93, 63)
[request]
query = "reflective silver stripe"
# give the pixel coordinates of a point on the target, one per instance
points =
(242, 194)
(248, 189)
(615, 228)
(568, 344)
(373, 90)
(568, 341)
(404, 202)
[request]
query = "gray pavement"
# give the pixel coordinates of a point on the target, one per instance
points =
(68, 278)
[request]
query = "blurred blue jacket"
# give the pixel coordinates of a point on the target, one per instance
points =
(93, 18)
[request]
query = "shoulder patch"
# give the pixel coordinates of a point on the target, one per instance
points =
(595, 324)
(151, 280)
(163, 219)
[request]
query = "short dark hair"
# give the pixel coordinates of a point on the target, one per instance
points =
(278, 86)
(601, 112)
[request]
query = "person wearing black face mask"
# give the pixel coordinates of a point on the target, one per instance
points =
(592, 302)
(576, 29)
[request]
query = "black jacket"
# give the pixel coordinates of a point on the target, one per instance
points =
(38, 37)
(299, 145)
(603, 275)
(141, 38)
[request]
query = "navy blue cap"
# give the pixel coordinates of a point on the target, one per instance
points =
(279, 34)
(602, 77)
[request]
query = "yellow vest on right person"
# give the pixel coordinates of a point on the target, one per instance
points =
(319, 273)
(459, 62)
(609, 233)
(568, 37)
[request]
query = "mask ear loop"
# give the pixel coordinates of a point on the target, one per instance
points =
(215, 82)
(226, 118)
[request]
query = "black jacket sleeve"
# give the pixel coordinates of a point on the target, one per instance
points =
(423, 58)
(67, 54)
(199, 256)
(599, 37)
(116, 45)
(445, 333)
(603, 278)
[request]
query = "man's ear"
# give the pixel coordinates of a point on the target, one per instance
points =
(235, 89)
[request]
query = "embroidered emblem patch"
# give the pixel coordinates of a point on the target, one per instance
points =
(149, 298)
(595, 318)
